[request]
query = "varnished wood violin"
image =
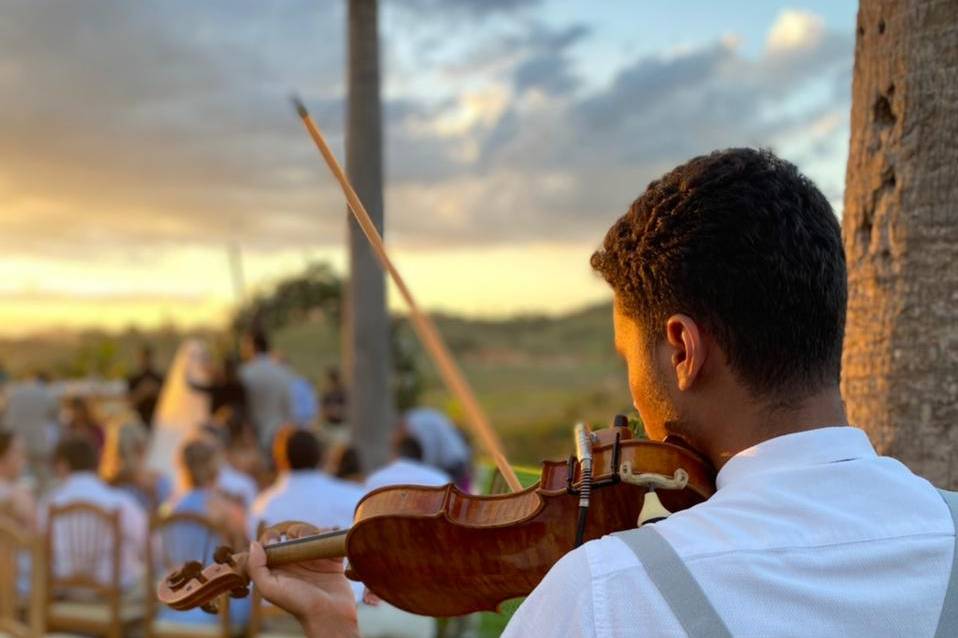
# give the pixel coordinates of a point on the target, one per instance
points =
(438, 551)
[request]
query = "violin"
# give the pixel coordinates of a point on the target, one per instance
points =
(438, 551)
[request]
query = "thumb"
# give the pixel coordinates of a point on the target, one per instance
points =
(256, 563)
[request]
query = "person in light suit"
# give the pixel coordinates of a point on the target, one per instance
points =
(267, 384)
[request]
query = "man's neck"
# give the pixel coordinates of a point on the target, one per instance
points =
(757, 423)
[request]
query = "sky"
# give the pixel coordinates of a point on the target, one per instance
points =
(138, 141)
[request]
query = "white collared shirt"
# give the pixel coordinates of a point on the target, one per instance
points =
(809, 534)
(442, 444)
(406, 472)
(309, 496)
(237, 484)
(88, 488)
(312, 497)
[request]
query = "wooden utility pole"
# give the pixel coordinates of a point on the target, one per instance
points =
(366, 321)
(900, 226)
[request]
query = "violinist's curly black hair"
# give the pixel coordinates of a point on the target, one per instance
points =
(747, 246)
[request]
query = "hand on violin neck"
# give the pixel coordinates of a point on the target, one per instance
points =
(316, 592)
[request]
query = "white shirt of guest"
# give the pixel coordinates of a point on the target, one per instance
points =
(442, 445)
(309, 496)
(406, 472)
(88, 488)
(237, 484)
(809, 534)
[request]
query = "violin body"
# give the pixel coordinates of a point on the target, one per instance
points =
(405, 541)
(438, 551)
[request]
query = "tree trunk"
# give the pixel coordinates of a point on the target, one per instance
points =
(366, 332)
(900, 226)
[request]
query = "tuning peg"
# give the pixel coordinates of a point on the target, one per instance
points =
(189, 571)
(224, 556)
(239, 592)
(210, 607)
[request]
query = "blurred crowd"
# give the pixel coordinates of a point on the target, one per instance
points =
(243, 443)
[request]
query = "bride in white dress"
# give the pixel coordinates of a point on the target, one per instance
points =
(181, 410)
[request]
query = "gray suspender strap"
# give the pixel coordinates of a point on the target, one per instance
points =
(675, 582)
(948, 621)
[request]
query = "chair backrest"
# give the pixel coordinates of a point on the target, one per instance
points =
(22, 595)
(174, 540)
(83, 549)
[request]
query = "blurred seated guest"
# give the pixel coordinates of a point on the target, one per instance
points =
(225, 389)
(241, 445)
(75, 464)
(407, 468)
(345, 464)
(333, 401)
(16, 500)
(304, 403)
(302, 492)
(199, 465)
(443, 446)
(123, 465)
(81, 421)
(143, 387)
(231, 481)
(31, 411)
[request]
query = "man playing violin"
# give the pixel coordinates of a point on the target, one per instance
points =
(729, 309)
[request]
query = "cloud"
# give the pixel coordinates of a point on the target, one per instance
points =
(472, 7)
(795, 30)
(547, 66)
(128, 126)
(564, 166)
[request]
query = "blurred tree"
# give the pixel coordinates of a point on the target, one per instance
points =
(366, 326)
(316, 290)
(408, 382)
(900, 226)
(97, 356)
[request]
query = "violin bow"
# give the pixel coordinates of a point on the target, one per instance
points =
(423, 325)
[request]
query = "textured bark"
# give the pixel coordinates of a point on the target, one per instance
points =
(366, 329)
(900, 226)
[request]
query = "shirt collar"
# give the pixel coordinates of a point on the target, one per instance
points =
(291, 477)
(811, 447)
(83, 476)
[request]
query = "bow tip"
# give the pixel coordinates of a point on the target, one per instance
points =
(298, 105)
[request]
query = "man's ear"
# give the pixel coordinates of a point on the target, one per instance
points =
(688, 349)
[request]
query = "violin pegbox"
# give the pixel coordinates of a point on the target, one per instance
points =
(193, 586)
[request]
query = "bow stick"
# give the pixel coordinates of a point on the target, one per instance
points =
(423, 325)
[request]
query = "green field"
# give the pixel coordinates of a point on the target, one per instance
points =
(535, 376)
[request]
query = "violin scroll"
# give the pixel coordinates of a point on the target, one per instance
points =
(195, 586)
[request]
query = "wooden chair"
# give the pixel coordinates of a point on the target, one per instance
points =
(174, 540)
(84, 588)
(21, 613)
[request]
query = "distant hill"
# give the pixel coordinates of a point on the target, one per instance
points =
(535, 376)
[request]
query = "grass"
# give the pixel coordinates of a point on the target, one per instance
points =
(534, 376)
